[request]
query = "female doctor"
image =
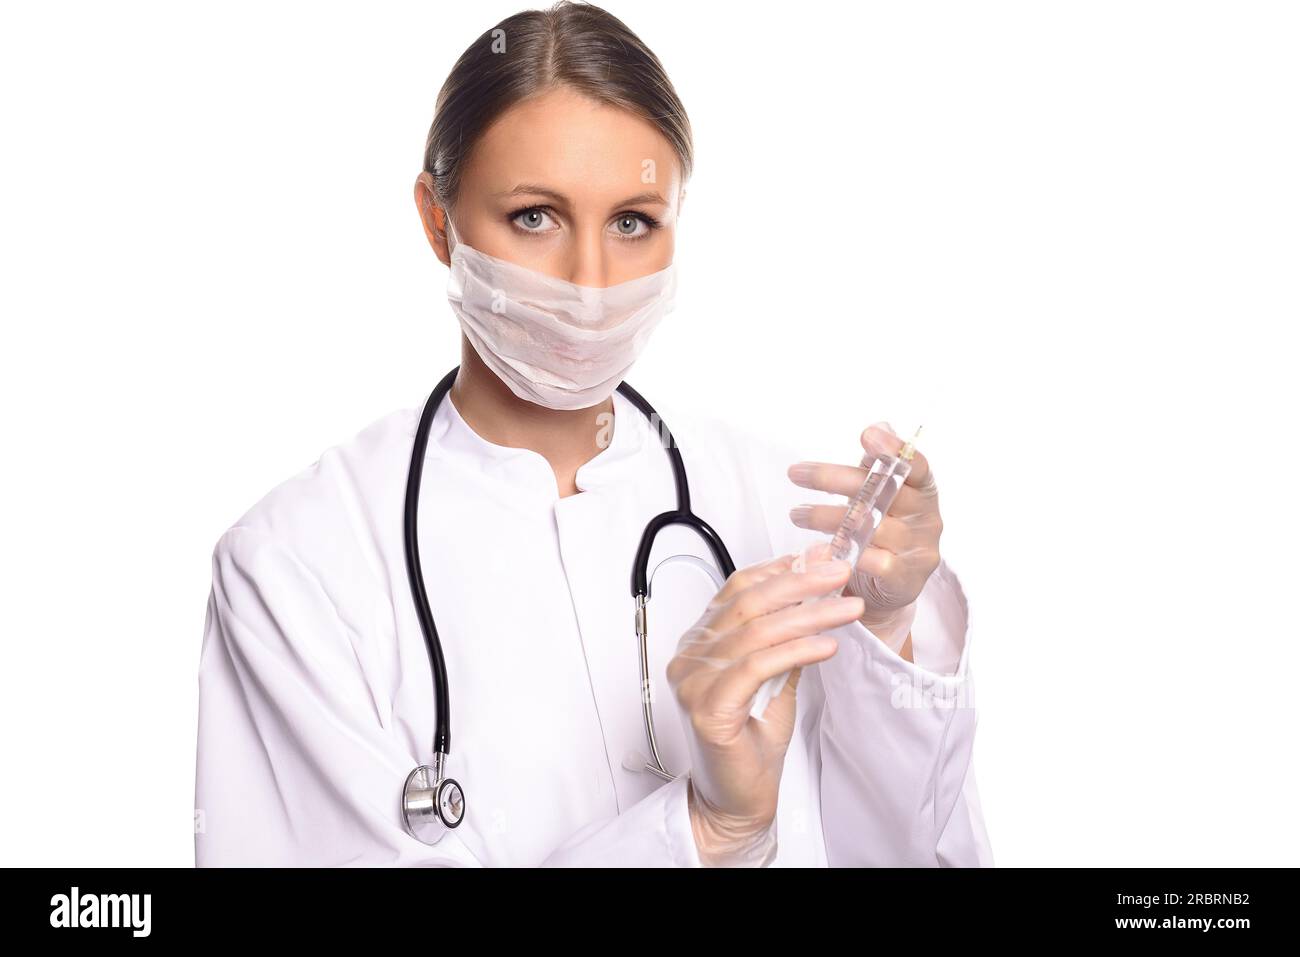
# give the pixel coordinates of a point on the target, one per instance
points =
(552, 186)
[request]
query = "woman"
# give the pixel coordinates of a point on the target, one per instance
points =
(553, 180)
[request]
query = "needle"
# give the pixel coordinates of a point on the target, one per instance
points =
(909, 447)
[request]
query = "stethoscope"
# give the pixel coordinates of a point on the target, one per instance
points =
(433, 802)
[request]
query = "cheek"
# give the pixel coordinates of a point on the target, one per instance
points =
(633, 258)
(541, 253)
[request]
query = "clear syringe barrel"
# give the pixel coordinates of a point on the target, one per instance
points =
(885, 475)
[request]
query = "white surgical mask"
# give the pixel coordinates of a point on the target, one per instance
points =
(554, 343)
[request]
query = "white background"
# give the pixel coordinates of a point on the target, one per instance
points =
(1062, 235)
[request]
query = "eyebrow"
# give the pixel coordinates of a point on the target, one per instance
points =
(535, 190)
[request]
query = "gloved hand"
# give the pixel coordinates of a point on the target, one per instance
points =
(892, 570)
(753, 629)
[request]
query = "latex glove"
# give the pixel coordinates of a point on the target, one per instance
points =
(753, 629)
(891, 572)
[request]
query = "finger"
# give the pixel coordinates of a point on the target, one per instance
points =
(894, 531)
(846, 480)
(779, 591)
(911, 506)
(920, 477)
(828, 477)
(880, 439)
(821, 518)
(736, 687)
(814, 554)
(748, 577)
(796, 621)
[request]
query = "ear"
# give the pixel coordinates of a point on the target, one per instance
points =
(681, 199)
(432, 216)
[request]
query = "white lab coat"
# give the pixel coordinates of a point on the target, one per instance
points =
(316, 695)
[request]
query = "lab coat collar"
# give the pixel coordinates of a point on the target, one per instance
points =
(528, 471)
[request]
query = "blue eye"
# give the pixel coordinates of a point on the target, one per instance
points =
(634, 225)
(534, 219)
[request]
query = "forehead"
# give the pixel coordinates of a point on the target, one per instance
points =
(588, 150)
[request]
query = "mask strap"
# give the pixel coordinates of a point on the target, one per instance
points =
(451, 229)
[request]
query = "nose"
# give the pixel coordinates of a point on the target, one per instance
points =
(587, 262)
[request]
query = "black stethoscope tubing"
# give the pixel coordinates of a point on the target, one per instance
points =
(681, 515)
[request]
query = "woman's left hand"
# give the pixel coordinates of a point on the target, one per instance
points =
(892, 570)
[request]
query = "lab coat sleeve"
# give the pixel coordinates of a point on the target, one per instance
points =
(654, 832)
(296, 766)
(896, 737)
(897, 740)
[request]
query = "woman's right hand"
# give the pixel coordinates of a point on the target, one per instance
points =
(753, 629)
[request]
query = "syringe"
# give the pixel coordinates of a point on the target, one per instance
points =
(886, 474)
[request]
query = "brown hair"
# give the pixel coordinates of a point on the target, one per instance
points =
(572, 44)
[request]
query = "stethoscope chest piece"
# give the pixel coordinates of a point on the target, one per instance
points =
(431, 806)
